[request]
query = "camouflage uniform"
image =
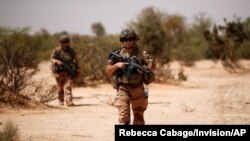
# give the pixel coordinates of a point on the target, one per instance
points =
(130, 90)
(63, 79)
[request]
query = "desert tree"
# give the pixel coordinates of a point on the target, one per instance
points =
(17, 66)
(224, 40)
(98, 29)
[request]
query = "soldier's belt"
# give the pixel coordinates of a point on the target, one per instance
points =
(129, 85)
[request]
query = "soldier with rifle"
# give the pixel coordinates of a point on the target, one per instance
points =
(130, 69)
(65, 69)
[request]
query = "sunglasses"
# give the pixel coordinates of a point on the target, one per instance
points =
(128, 40)
(64, 42)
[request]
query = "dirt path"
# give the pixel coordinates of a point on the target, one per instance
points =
(232, 100)
(210, 96)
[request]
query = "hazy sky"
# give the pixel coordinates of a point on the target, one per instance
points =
(77, 16)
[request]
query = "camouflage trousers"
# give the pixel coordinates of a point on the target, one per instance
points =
(64, 89)
(131, 98)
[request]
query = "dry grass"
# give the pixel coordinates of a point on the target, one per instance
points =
(10, 132)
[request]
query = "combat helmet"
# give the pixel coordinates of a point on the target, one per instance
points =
(64, 39)
(128, 34)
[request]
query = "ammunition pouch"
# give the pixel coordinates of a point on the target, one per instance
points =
(115, 79)
(148, 78)
(120, 79)
(114, 82)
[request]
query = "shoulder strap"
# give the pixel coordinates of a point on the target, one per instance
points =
(57, 53)
(72, 52)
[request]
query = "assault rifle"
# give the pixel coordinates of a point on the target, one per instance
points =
(70, 67)
(132, 63)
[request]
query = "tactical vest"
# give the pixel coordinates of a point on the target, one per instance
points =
(135, 77)
(64, 56)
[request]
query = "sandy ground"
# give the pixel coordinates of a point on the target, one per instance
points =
(210, 96)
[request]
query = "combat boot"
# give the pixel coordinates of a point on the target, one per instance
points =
(69, 104)
(61, 103)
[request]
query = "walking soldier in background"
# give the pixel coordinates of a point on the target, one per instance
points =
(65, 68)
(130, 69)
